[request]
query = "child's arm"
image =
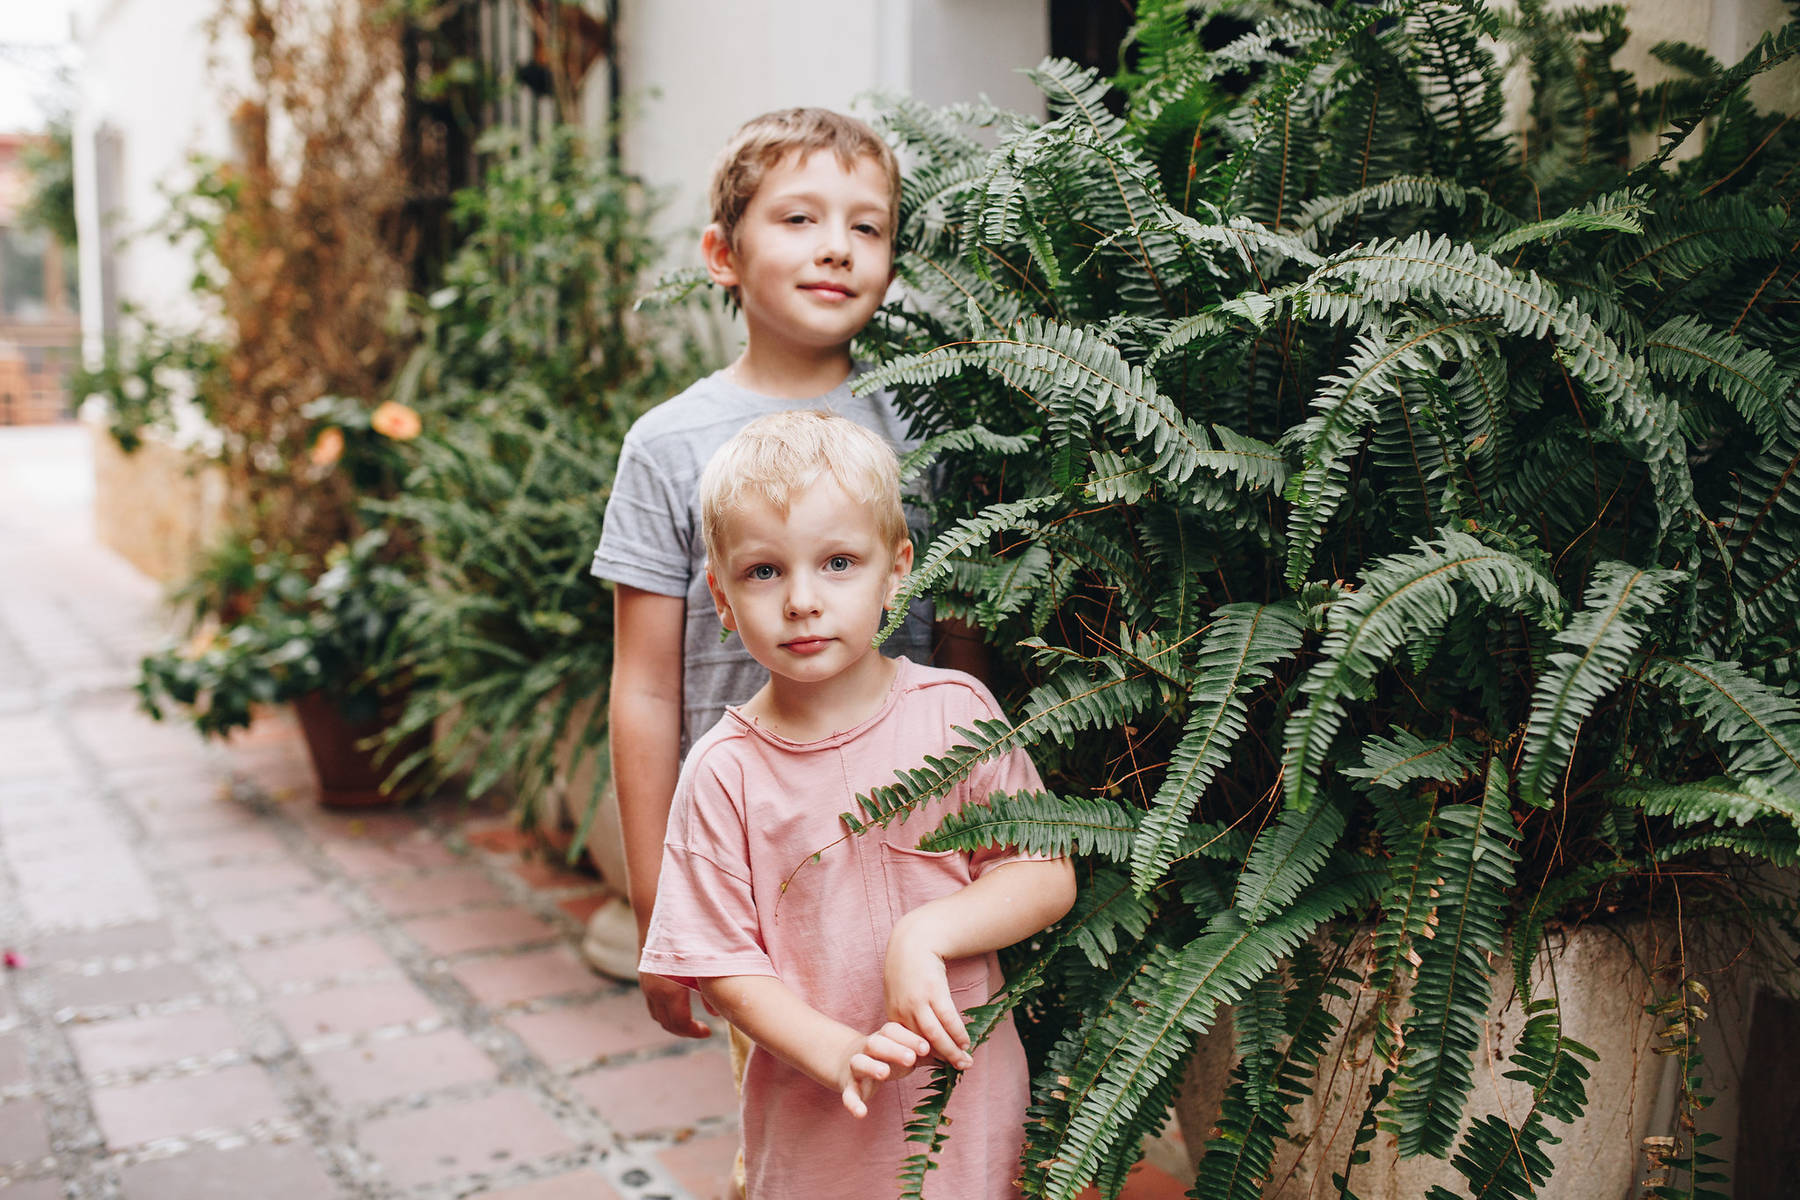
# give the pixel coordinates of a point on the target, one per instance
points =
(645, 721)
(827, 1051)
(1008, 903)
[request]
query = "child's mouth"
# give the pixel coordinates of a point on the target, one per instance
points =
(807, 645)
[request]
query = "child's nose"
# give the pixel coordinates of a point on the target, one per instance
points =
(802, 601)
(834, 246)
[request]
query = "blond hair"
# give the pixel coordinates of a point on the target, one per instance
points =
(762, 142)
(773, 458)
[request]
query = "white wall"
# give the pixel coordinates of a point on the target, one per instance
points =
(692, 71)
(145, 73)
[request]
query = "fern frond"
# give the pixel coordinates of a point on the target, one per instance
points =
(1090, 694)
(963, 538)
(954, 441)
(1039, 823)
(1180, 993)
(1398, 599)
(1502, 1162)
(1717, 801)
(1616, 213)
(1759, 725)
(1287, 855)
(1320, 216)
(1602, 639)
(1407, 758)
(1750, 380)
(1474, 860)
(1235, 657)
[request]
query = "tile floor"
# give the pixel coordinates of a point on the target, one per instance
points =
(225, 992)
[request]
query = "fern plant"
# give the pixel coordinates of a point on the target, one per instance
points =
(1384, 519)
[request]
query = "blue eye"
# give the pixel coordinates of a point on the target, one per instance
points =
(761, 571)
(838, 562)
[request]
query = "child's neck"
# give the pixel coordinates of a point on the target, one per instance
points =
(809, 712)
(789, 374)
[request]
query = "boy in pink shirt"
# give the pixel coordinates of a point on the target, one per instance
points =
(847, 971)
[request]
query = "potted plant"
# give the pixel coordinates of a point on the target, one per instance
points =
(1390, 526)
(296, 634)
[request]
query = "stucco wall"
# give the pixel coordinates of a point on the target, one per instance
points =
(694, 70)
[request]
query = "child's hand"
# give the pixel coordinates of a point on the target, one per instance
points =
(889, 1053)
(918, 992)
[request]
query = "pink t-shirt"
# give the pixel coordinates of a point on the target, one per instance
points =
(750, 811)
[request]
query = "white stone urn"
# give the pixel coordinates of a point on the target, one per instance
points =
(1602, 976)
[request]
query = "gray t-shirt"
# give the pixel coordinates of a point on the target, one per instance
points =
(650, 538)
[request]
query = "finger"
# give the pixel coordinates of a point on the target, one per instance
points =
(954, 1028)
(897, 1032)
(868, 1067)
(887, 1050)
(854, 1102)
(942, 1044)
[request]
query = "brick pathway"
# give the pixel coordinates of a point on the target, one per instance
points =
(225, 992)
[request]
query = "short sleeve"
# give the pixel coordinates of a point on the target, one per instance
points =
(646, 536)
(705, 924)
(1009, 773)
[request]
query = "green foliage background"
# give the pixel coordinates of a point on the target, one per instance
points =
(1388, 522)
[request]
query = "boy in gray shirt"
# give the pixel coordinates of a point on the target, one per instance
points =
(804, 205)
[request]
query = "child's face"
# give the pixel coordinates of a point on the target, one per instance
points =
(813, 253)
(806, 591)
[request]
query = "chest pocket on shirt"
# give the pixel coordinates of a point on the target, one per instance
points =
(916, 877)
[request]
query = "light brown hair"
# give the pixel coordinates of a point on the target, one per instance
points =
(762, 142)
(775, 456)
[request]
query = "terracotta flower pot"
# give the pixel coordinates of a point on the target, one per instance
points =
(348, 774)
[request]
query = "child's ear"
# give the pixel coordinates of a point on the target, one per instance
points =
(720, 603)
(720, 258)
(903, 562)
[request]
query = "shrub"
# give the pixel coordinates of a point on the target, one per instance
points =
(531, 368)
(1384, 517)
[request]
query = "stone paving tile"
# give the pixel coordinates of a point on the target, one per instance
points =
(581, 1033)
(224, 846)
(35, 747)
(36, 1189)
(15, 1068)
(218, 885)
(127, 900)
(351, 1008)
(24, 1137)
(143, 985)
(372, 860)
(143, 937)
(133, 1043)
(578, 1185)
(426, 1062)
(498, 982)
(416, 895)
(670, 1092)
(228, 1098)
(454, 1139)
(118, 734)
(483, 929)
(328, 958)
(289, 1172)
(254, 920)
(702, 1165)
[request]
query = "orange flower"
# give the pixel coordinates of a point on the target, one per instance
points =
(395, 420)
(328, 447)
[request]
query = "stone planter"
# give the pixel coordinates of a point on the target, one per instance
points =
(158, 507)
(1601, 977)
